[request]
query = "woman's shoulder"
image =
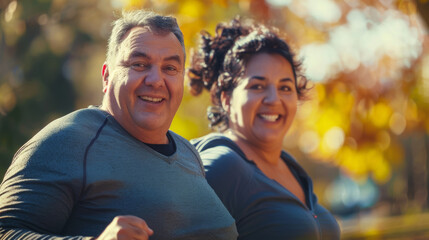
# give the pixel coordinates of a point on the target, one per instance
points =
(216, 140)
(220, 152)
(210, 140)
(228, 172)
(216, 146)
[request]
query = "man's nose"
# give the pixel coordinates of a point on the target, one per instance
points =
(154, 77)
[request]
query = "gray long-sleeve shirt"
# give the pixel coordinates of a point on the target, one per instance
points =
(82, 170)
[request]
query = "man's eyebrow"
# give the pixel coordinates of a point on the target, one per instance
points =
(174, 58)
(137, 54)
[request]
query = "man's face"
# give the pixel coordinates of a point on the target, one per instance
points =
(143, 84)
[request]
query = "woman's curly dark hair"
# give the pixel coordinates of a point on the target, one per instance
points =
(220, 60)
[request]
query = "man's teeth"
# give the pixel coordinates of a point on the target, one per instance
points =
(270, 118)
(150, 99)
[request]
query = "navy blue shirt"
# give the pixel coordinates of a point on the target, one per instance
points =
(261, 207)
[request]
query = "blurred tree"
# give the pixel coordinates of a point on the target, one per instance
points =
(38, 41)
(423, 8)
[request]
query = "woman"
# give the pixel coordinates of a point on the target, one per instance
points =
(255, 86)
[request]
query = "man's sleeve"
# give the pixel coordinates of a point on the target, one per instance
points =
(39, 190)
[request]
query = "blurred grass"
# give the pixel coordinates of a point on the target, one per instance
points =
(403, 227)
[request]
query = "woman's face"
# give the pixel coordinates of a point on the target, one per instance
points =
(262, 106)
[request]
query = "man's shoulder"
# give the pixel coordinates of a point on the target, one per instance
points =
(79, 120)
(85, 116)
(73, 128)
(62, 141)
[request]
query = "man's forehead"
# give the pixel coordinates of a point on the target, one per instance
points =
(146, 34)
(141, 29)
(145, 37)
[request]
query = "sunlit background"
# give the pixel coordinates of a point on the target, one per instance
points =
(363, 136)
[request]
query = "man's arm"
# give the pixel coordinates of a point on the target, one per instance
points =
(23, 234)
(126, 227)
(39, 191)
(37, 198)
(121, 228)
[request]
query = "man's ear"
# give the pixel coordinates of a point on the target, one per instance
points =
(225, 101)
(105, 76)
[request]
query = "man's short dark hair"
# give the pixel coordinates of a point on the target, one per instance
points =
(141, 18)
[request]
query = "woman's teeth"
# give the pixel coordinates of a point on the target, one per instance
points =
(269, 117)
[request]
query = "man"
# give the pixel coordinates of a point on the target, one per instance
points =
(116, 171)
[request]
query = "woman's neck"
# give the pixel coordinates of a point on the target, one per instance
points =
(269, 153)
(267, 159)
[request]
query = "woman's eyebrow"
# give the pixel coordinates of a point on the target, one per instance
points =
(286, 80)
(264, 78)
(258, 78)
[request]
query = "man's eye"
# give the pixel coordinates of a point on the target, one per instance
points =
(171, 70)
(139, 66)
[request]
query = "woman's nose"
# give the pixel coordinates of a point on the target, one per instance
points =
(271, 95)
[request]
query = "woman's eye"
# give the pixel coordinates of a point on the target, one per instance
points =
(256, 87)
(286, 88)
